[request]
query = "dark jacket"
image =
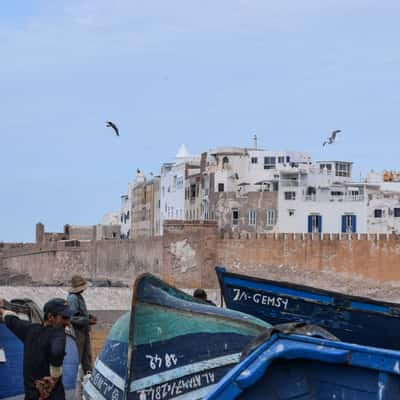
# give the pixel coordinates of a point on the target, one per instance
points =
(80, 315)
(43, 346)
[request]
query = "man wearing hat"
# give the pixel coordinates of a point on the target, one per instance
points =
(44, 349)
(81, 321)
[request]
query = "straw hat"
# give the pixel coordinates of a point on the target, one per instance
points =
(78, 284)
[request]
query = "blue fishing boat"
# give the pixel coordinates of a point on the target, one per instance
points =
(292, 366)
(12, 350)
(169, 346)
(351, 319)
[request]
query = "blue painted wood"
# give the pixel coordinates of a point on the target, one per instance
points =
(288, 367)
(310, 227)
(353, 223)
(351, 319)
(344, 227)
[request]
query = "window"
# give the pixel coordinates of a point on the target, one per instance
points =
(354, 194)
(174, 183)
(342, 169)
(349, 223)
(328, 167)
(378, 213)
(254, 160)
(290, 195)
(291, 213)
(220, 187)
(314, 223)
(235, 216)
(287, 159)
(252, 217)
(396, 212)
(269, 162)
(271, 216)
(179, 182)
(193, 191)
(336, 193)
(143, 213)
(225, 162)
(281, 160)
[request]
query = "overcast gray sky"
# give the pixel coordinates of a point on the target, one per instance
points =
(204, 73)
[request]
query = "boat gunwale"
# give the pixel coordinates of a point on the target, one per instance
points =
(393, 307)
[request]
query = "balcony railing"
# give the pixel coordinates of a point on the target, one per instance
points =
(322, 198)
(288, 183)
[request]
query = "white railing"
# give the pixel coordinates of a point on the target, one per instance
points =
(322, 198)
(288, 183)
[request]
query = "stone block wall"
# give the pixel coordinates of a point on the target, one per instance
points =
(375, 257)
(114, 260)
(188, 252)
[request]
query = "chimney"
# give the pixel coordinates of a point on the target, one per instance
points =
(255, 142)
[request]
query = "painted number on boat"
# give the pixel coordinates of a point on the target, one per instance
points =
(167, 361)
(177, 387)
(259, 298)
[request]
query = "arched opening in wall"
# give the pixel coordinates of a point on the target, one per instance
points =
(225, 162)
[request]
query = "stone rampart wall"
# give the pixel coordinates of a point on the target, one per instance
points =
(187, 253)
(375, 257)
(55, 263)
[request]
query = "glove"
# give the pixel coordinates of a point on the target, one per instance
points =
(45, 386)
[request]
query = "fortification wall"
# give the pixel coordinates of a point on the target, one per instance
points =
(55, 263)
(375, 257)
(187, 253)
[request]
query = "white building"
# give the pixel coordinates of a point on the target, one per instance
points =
(172, 186)
(126, 213)
(321, 198)
(383, 214)
(252, 169)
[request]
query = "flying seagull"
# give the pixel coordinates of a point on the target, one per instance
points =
(110, 124)
(332, 138)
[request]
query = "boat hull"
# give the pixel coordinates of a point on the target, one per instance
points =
(169, 346)
(287, 367)
(351, 319)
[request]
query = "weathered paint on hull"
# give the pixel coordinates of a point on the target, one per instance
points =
(170, 346)
(351, 319)
(288, 367)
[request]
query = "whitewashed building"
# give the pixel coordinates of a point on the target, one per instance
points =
(172, 186)
(321, 198)
(383, 214)
(126, 213)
